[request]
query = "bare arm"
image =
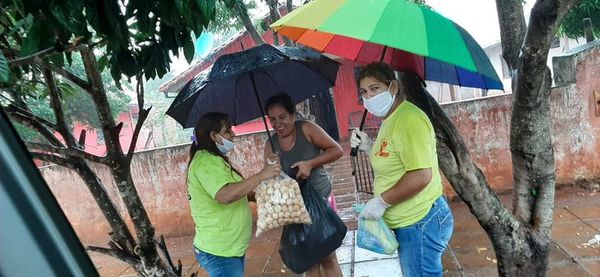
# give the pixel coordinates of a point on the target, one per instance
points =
(235, 191)
(408, 186)
(319, 138)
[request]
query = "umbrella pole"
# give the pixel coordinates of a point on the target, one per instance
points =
(262, 110)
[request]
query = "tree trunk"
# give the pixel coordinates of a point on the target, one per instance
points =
(119, 230)
(516, 246)
(242, 14)
(150, 263)
(274, 15)
(521, 242)
(120, 233)
(512, 30)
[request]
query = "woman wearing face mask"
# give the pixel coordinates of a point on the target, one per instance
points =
(303, 148)
(218, 198)
(407, 187)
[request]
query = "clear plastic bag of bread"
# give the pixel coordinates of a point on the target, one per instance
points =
(279, 203)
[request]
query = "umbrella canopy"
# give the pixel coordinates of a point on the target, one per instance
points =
(238, 83)
(401, 33)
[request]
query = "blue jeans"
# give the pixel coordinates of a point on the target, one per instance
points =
(220, 266)
(423, 243)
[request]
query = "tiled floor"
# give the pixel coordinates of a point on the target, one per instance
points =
(356, 261)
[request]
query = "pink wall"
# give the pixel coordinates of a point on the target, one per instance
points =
(159, 176)
(485, 126)
(345, 97)
(97, 147)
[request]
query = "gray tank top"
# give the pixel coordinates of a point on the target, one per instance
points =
(301, 151)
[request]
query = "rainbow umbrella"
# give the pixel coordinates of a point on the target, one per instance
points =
(399, 32)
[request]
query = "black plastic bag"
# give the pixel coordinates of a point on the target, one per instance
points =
(305, 245)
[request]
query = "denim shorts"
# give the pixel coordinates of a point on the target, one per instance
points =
(423, 243)
(220, 266)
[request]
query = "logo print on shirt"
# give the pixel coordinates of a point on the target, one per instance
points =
(382, 151)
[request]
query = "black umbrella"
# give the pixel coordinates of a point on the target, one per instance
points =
(239, 82)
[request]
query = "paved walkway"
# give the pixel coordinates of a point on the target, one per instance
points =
(576, 222)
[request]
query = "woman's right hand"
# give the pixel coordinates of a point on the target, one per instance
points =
(361, 140)
(272, 167)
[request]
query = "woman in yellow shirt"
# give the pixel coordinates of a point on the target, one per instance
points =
(407, 186)
(218, 198)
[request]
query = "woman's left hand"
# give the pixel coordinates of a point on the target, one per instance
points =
(304, 168)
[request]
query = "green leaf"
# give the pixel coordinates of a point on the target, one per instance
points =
(4, 69)
(183, 7)
(69, 57)
(24, 24)
(102, 62)
(127, 63)
(58, 60)
(208, 8)
(67, 90)
(188, 49)
(31, 41)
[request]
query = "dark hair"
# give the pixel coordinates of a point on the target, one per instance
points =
(408, 81)
(208, 123)
(378, 70)
(283, 99)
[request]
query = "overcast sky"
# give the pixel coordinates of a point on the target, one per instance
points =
(478, 17)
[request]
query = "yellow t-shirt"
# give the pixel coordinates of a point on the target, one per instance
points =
(406, 142)
(221, 230)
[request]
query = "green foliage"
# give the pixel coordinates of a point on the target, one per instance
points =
(226, 20)
(572, 25)
(165, 131)
(138, 35)
(77, 104)
(4, 70)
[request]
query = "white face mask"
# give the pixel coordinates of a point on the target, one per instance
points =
(226, 146)
(380, 104)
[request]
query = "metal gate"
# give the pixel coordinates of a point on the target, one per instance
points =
(322, 107)
(362, 170)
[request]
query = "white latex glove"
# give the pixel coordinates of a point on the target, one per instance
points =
(360, 139)
(375, 208)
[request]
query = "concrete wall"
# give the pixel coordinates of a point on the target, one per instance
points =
(484, 123)
(159, 175)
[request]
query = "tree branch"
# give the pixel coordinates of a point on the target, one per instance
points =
(69, 76)
(42, 55)
(44, 130)
(50, 158)
(512, 30)
(16, 109)
(35, 57)
(116, 253)
(163, 247)
(98, 93)
(55, 102)
(142, 115)
(119, 166)
(68, 152)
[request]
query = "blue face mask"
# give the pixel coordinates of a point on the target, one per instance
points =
(380, 104)
(226, 146)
